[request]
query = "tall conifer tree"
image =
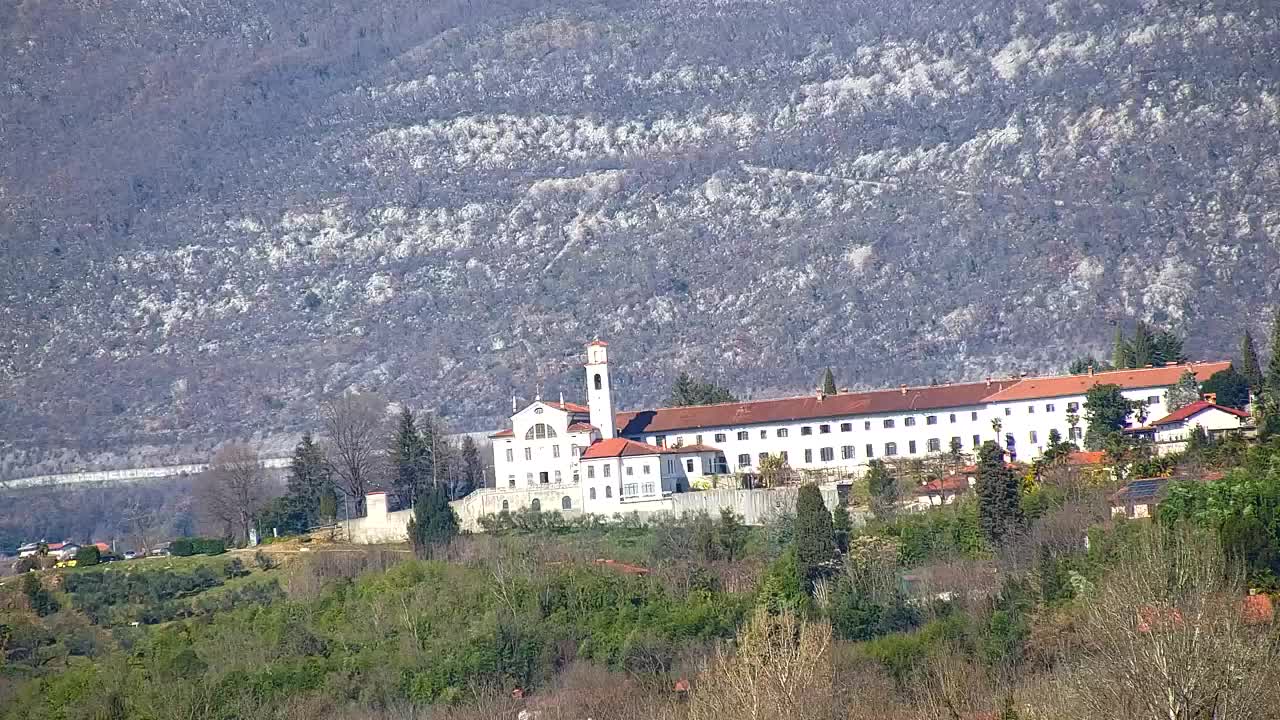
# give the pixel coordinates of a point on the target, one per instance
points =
(828, 382)
(1250, 368)
(999, 496)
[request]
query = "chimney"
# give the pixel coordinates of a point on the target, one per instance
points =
(1090, 369)
(819, 394)
(1211, 398)
(844, 390)
(988, 382)
(1150, 365)
(904, 389)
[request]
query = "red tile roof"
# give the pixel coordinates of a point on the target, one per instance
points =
(1194, 409)
(808, 407)
(1060, 385)
(1087, 457)
(504, 433)
(581, 427)
(620, 447)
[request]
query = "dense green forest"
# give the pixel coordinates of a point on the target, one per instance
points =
(1029, 605)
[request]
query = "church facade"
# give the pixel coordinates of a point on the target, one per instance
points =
(605, 462)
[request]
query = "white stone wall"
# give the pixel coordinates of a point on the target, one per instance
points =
(755, 506)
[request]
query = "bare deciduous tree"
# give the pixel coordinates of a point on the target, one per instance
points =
(1167, 636)
(781, 670)
(233, 489)
(355, 426)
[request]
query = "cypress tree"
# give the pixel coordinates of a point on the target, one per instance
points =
(1272, 380)
(828, 382)
(1142, 348)
(814, 536)
(1250, 368)
(999, 496)
(472, 468)
(434, 523)
(882, 487)
(1121, 353)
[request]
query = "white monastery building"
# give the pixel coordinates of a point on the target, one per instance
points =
(607, 461)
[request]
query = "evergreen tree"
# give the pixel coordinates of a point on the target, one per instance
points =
(434, 523)
(828, 382)
(1184, 392)
(1107, 411)
(1168, 348)
(1230, 388)
(306, 485)
(882, 488)
(1272, 379)
(1081, 365)
(814, 537)
(999, 496)
(687, 391)
(1121, 352)
(472, 468)
(730, 535)
(1142, 348)
(409, 459)
(1250, 368)
(842, 528)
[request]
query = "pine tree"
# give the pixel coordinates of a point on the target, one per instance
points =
(1168, 348)
(1249, 366)
(1107, 411)
(410, 470)
(434, 523)
(683, 391)
(814, 537)
(307, 482)
(999, 496)
(828, 382)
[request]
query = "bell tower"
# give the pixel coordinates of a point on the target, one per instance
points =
(599, 394)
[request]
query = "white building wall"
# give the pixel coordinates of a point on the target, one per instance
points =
(855, 432)
(521, 462)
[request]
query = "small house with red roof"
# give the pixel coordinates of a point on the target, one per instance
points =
(622, 474)
(1172, 432)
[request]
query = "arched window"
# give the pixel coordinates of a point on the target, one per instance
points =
(599, 382)
(541, 431)
(536, 505)
(566, 503)
(608, 491)
(591, 493)
(505, 506)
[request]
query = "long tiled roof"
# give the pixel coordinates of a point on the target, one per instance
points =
(1061, 385)
(808, 407)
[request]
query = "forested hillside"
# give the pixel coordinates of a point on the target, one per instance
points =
(214, 212)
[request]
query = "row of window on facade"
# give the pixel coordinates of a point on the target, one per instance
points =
(575, 451)
(887, 423)
(933, 445)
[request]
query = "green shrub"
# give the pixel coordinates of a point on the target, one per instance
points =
(89, 555)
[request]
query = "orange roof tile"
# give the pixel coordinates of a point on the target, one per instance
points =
(568, 406)
(504, 433)
(581, 427)
(695, 448)
(1060, 385)
(1087, 457)
(620, 447)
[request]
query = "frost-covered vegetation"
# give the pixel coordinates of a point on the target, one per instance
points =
(220, 211)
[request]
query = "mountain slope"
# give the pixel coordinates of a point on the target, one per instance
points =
(218, 212)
